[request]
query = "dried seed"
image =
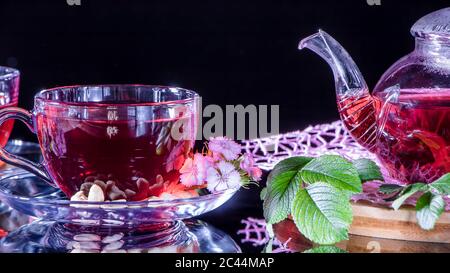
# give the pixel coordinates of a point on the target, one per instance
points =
(101, 184)
(142, 188)
(96, 194)
(79, 196)
(115, 193)
(109, 185)
(159, 179)
(130, 193)
(85, 187)
(112, 238)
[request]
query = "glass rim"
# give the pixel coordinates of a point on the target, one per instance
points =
(191, 96)
(7, 72)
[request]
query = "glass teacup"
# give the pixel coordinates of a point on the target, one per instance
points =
(129, 140)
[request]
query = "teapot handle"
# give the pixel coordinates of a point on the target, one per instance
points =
(27, 118)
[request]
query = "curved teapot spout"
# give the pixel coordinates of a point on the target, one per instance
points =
(355, 104)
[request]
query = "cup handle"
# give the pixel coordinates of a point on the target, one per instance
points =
(27, 118)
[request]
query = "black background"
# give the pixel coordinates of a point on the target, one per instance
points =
(231, 52)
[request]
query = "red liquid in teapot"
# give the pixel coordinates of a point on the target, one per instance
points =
(119, 150)
(414, 144)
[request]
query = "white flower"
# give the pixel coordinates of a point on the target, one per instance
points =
(223, 176)
(224, 147)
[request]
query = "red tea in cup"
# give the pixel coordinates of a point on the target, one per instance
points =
(131, 140)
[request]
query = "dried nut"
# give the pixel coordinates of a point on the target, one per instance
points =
(79, 196)
(109, 185)
(130, 193)
(114, 245)
(142, 188)
(87, 237)
(96, 194)
(115, 193)
(112, 238)
(159, 179)
(85, 187)
(101, 184)
(89, 179)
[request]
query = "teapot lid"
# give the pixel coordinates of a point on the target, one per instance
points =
(433, 25)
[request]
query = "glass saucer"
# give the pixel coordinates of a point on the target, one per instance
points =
(32, 196)
(190, 236)
(29, 150)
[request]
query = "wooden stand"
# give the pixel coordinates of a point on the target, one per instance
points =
(382, 222)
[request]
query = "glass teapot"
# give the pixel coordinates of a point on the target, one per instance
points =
(406, 120)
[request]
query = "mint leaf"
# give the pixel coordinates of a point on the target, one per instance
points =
(282, 185)
(429, 208)
(407, 192)
(389, 188)
(263, 193)
(334, 170)
(325, 249)
(368, 170)
(322, 213)
(442, 184)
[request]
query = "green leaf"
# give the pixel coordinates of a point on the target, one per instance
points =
(442, 184)
(389, 188)
(429, 208)
(263, 193)
(368, 170)
(407, 192)
(333, 170)
(322, 213)
(325, 249)
(282, 185)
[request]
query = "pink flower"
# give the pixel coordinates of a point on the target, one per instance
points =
(248, 165)
(223, 176)
(247, 162)
(224, 147)
(193, 172)
(255, 173)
